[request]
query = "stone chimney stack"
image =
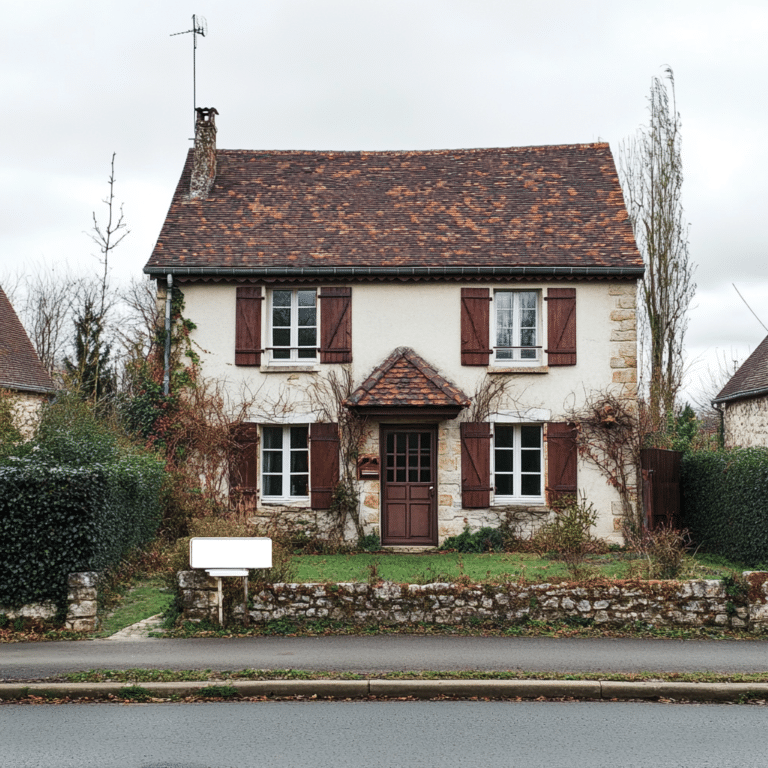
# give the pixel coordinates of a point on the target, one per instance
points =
(204, 160)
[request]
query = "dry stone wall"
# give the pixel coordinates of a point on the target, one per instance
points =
(609, 603)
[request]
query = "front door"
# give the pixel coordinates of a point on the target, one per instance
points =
(408, 506)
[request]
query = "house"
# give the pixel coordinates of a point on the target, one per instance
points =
(472, 299)
(21, 372)
(743, 402)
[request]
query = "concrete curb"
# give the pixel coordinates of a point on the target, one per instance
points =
(391, 689)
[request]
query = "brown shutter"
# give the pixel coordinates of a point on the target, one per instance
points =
(336, 325)
(475, 464)
(561, 460)
(243, 468)
(475, 326)
(561, 337)
(248, 326)
(323, 463)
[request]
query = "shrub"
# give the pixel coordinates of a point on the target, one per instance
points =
(483, 540)
(725, 502)
(369, 543)
(663, 551)
(568, 534)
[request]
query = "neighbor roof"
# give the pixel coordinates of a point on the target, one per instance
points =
(20, 367)
(751, 380)
(521, 211)
(406, 380)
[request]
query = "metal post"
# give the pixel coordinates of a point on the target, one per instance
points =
(221, 604)
(245, 601)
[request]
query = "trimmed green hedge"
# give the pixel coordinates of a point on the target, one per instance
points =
(57, 520)
(725, 502)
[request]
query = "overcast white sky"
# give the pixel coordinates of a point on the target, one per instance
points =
(83, 79)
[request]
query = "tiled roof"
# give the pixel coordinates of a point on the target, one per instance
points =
(751, 379)
(405, 380)
(20, 367)
(531, 208)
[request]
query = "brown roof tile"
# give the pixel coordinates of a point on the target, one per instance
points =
(20, 367)
(751, 379)
(528, 207)
(406, 380)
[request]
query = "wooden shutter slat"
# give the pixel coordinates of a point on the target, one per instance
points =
(248, 326)
(323, 464)
(561, 335)
(475, 465)
(243, 470)
(475, 326)
(562, 455)
(336, 325)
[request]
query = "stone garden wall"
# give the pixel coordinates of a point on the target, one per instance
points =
(609, 603)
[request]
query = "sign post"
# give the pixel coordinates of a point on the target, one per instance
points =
(223, 556)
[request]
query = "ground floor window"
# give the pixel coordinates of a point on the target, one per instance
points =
(518, 463)
(285, 462)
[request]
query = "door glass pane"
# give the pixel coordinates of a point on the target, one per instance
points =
(504, 437)
(530, 437)
(504, 485)
(299, 437)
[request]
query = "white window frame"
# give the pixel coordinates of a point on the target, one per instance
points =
(294, 349)
(285, 474)
(516, 358)
(517, 496)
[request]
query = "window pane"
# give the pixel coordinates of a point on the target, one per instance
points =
(307, 316)
(307, 298)
(299, 485)
(281, 298)
(273, 485)
(273, 437)
(281, 316)
(530, 461)
(528, 337)
(273, 461)
(531, 485)
(504, 461)
(299, 437)
(504, 299)
(504, 437)
(530, 437)
(307, 337)
(299, 461)
(528, 318)
(426, 475)
(281, 337)
(527, 299)
(504, 485)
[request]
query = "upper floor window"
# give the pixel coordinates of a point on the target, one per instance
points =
(516, 324)
(293, 317)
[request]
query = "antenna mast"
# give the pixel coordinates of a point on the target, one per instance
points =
(199, 27)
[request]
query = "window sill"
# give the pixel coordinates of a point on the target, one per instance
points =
(295, 503)
(519, 369)
(535, 505)
(299, 368)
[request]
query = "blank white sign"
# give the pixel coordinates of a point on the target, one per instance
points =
(230, 552)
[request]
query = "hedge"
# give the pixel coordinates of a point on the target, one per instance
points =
(725, 502)
(56, 520)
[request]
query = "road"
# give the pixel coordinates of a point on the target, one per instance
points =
(382, 653)
(374, 734)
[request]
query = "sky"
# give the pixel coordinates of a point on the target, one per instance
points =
(80, 81)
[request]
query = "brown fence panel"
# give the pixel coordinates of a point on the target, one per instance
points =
(661, 487)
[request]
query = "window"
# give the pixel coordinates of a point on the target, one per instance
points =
(285, 462)
(517, 462)
(516, 324)
(293, 315)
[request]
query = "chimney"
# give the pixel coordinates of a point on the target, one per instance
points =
(204, 160)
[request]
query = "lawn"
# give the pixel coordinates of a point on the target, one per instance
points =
(493, 567)
(145, 599)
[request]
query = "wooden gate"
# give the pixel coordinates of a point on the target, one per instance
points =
(661, 488)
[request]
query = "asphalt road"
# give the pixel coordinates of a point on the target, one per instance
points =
(382, 653)
(383, 734)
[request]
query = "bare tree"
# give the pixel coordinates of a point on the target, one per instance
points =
(652, 177)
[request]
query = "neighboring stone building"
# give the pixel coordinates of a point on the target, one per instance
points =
(430, 278)
(743, 401)
(21, 371)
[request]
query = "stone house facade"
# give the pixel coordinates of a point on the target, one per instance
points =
(457, 304)
(21, 372)
(743, 402)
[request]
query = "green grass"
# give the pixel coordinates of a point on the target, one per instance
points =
(493, 567)
(146, 599)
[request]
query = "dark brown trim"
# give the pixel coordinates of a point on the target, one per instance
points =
(319, 280)
(432, 414)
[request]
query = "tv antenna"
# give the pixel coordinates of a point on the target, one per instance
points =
(199, 27)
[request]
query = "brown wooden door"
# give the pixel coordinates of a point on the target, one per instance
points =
(409, 509)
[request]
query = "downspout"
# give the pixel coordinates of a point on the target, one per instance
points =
(167, 366)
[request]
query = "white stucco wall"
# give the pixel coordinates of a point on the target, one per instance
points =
(426, 317)
(746, 423)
